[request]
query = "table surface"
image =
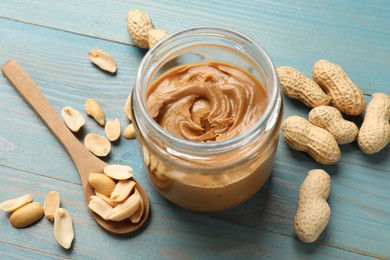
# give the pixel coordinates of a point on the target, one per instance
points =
(51, 39)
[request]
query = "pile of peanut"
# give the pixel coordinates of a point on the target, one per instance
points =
(116, 197)
(326, 128)
(26, 212)
(97, 144)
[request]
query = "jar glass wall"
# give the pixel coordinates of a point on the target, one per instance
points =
(215, 175)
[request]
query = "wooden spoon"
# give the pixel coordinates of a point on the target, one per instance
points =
(85, 161)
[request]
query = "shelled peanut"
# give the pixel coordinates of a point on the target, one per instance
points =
(25, 212)
(116, 197)
(72, 118)
(129, 132)
(93, 108)
(97, 144)
(52, 203)
(103, 60)
(112, 130)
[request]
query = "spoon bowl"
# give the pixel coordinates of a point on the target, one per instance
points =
(84, 160)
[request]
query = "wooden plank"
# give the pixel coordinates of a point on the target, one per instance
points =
(171, 232)
(359, 198)
(353, 33)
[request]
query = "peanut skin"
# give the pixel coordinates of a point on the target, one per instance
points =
(27, 215)
(313, 212)
(345, 96)
(298, 86)
(374, 133)
(330, 118)
(301, 135)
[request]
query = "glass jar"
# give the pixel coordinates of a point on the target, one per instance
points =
(215, 175)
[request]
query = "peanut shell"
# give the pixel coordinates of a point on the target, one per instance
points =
(345, 96)
(374, 134)
(313, 212)
(298, 86)
(138, 26)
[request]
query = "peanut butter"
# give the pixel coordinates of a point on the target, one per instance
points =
(209, 102)
(207, 108)
(206, 102)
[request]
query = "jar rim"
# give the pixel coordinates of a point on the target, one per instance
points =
(274, 102)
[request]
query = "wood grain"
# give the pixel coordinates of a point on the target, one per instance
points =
(52, 44)
(353, 34)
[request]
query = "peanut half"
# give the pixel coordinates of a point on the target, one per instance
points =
(116, 197)
(120, 212)
(100, 207)
(63, 228)
(136, 217)
(52, 203)
(106, 199)
(13, 204)
(301, 135)
(113, 130)
(26, 215)
(101, 183)
(93, 108)
(125, 209)
(72, 118)
(97, 144)
(138, 26)
(118, 172)
(129, 132)
(330, 118)
(374, 133)
(127, 107)
(345, 96)
(103, 60)
(122, 190)
(313, 212)
(298, 86)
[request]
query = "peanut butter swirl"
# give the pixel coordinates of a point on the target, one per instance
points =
(206, 102)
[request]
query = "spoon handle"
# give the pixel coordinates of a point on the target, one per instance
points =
(26, 87)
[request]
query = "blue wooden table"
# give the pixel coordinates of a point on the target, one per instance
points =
(51, 39)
